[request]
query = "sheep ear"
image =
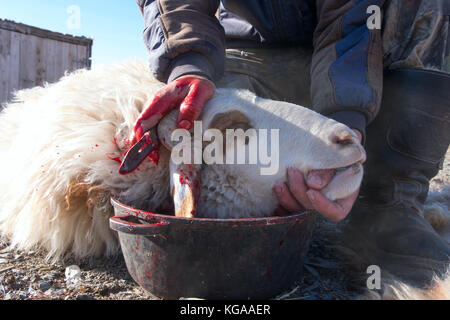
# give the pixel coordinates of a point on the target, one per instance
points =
(230, 120)
(227, 120)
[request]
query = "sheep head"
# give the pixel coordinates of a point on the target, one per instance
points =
(299, 138)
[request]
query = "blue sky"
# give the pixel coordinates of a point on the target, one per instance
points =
(115, 25)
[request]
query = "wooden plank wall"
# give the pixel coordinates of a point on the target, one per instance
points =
(27, 61)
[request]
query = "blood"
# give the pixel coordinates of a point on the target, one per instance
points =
(189, 91)
(190, 109)
(185, 180)
(114, 157)
(154, 156)
(148, 139)
(162, 103)
(115, 142)
(196, 184)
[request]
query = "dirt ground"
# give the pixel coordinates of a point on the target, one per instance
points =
(30, 277)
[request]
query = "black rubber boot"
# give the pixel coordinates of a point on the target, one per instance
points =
(406, 146)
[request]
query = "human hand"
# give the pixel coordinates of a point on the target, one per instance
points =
(189, 92)
(297, 195)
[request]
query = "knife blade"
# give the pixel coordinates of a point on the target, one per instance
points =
(138, 152)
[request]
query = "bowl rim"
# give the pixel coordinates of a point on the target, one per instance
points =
(261, 221)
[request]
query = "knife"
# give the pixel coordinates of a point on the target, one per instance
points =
(138, 152)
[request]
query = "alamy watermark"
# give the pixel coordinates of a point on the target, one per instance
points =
(374, 21)
(374, 280)
(74, 20)
(236, 147)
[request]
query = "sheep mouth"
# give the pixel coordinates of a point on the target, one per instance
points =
(344, 172)
(352, 169)
(344, 181)
(343, 175)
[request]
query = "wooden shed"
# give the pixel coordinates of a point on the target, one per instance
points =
(30, 56)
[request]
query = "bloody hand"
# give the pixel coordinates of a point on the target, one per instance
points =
(188, 92)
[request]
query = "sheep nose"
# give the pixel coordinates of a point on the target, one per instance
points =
(345, 138)
(347, 141)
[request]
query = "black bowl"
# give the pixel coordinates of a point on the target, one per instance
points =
(172, 257)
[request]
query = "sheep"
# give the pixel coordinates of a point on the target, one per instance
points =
(62, 145)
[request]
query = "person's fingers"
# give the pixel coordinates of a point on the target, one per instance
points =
(335, 211)
(285, 198)
(200, 91)
(297, 187)
(190, 91)
(325, 207)
(319, 179)
(164, 100)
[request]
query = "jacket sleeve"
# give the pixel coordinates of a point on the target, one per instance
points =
(347, 65)
(183, 37)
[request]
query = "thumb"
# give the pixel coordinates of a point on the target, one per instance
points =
(319, 179)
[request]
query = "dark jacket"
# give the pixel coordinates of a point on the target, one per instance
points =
(190, 37)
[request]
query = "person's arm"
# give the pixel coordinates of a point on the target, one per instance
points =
(183, 38)
(347, 82)
(347, 65)
(186, 44)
